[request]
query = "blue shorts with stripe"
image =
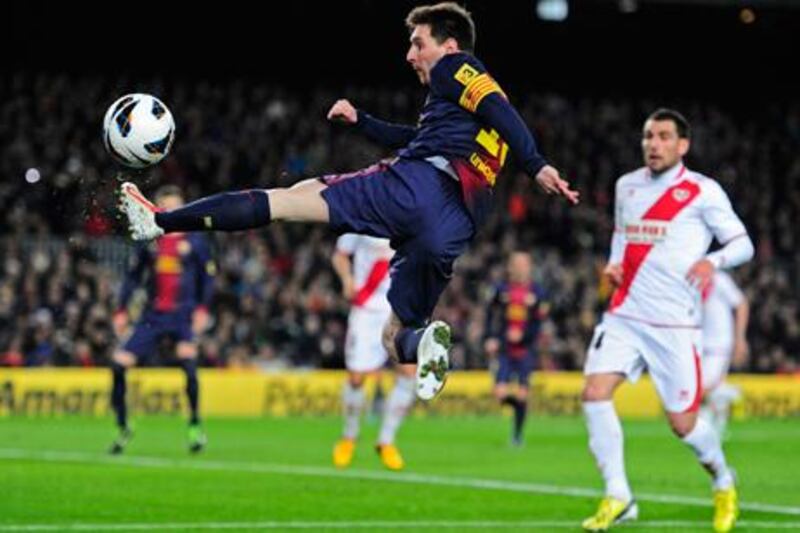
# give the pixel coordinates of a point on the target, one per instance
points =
(422, 211)
(508, 366)
(154, 326)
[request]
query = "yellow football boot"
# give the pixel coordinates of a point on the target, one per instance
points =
(390, 456)
(611, 511)
(726, 509)
(343, 453)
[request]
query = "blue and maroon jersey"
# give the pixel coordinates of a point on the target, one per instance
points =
(178, 271)
(515, 315)
(468, 124)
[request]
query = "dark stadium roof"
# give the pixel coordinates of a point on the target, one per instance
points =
(665, 45)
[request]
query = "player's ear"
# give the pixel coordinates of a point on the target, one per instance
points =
(451, 45)
(683, 146)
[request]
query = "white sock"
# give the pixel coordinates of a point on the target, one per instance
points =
(400, 401)
(605, 442)
(703, 439)
(720, 400)
(352, 404)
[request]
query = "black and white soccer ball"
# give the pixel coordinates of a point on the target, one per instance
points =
(138, 130)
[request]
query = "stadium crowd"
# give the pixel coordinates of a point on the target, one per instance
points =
(277, 301)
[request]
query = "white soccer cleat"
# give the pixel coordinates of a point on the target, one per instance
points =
(141, 213)
(432, 359)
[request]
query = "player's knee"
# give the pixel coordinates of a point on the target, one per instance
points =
(682, 424)
(596, 392)
(123, 359)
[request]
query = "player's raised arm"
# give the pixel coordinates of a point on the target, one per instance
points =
(385, 133)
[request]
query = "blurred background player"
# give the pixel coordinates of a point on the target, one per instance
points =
(665, 219)
(430, 200)
(514, 317)
(362, 264)
(726, 313)
(178, 272)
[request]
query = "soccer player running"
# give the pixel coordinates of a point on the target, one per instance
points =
(726, 313)
(513, 319)
(178, 272)
(362, 264)
(429, 201)
(665, 219)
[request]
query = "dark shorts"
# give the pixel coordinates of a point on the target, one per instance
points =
(512, 366)
(422, 211)
(153, 327)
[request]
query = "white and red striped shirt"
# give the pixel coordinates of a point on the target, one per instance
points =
(662, 226)
(371, 257)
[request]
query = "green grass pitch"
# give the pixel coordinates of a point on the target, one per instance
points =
(461, 474)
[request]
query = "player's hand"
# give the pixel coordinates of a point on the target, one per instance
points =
(741, 352)
(614, 274)
(491, 346)
(120, 323)
(700, 274)
(200, 320)
(549, 180)
(343, 111)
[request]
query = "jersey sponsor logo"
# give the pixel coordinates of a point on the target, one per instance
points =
(487, 171)
(465, 74)
(476, 90)
(650, 232)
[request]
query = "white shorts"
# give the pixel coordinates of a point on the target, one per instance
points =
(716, 362)
(363, 348)
(669, 354)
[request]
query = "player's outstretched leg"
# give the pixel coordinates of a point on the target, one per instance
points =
(229, 211)
(397, 406)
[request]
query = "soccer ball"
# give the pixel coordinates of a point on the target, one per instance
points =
(138, 130)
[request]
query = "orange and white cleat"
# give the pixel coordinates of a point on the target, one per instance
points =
(141, 213)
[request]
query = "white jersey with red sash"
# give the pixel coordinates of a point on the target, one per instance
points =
(663, 225)
(370, 257)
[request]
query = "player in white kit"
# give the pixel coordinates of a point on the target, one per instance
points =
(362, 264)
(665, 219)
(726, 313)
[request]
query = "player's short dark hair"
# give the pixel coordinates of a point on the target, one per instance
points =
(681, 124)
(446, 19)
(169, 190)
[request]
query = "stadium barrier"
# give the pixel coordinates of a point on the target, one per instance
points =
(75, 391)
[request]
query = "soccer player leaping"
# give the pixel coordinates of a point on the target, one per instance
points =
(429, 200)
(666, 216)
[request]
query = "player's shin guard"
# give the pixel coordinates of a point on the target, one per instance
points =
(400, 401)
(407, 342)
(352, 403)
(192, 389)
(118, 391)
(705, 443)
(230, 211)
(606, 444)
